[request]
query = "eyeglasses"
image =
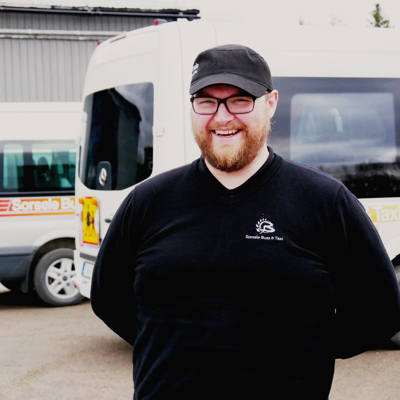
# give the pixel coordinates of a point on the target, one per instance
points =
(235, 104)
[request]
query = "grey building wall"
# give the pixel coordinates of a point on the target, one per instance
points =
(43, 69)
(44, 53)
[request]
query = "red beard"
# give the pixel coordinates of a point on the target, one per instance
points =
(252, 143)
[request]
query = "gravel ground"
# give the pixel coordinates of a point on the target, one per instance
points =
(69, 354)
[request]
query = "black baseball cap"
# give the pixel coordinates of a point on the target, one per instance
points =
(233, 65)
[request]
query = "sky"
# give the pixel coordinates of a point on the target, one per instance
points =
(350, 13)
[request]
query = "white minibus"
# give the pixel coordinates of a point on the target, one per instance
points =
(37, 199)
(338, 110)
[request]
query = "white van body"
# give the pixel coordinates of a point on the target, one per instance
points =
(37, 199)
(311, 66)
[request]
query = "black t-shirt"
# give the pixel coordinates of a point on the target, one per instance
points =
(245, 293)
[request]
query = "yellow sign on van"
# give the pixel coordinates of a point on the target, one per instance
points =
(90, 209)
(387, 213)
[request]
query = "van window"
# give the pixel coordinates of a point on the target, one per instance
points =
(13, 166)
(118, 151)
(37, 166)
(346, 127)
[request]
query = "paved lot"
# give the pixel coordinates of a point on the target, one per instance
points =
(68, 354)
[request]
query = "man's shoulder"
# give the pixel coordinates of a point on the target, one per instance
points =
(310, 174)
(311, 181)
(167, 180)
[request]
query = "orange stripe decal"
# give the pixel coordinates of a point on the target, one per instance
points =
(26, 206)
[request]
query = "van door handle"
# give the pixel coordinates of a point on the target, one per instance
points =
(109, 218)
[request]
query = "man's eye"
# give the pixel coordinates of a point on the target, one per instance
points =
(205, 102)
(241, 100)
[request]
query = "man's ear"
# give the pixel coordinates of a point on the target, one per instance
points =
(272, 99)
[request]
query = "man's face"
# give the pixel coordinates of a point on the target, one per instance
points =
(230, 142)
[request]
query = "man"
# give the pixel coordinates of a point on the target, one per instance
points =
(242, 275)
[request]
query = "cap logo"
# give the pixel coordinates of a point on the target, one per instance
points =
(195, 68)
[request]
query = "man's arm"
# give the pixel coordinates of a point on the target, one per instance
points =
(112, 294)
(368, 301)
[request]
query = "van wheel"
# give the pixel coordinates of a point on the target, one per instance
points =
(395, 340)
(54, 278)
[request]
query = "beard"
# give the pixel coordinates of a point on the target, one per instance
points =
(233, 160)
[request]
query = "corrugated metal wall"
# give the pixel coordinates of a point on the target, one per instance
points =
(43, 69)
(44, 55)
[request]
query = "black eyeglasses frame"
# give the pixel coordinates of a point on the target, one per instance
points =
(223, 101)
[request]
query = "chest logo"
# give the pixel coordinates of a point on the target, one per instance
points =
(265, 226)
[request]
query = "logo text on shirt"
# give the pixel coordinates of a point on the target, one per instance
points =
(264, 228)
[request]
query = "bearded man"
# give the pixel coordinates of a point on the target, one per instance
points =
(242, 275)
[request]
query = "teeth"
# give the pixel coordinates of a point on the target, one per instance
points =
(226, 133)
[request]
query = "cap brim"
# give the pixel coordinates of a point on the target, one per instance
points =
(247, 85)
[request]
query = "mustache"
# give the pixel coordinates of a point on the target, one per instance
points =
(216, 126)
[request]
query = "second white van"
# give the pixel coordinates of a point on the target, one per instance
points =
(37, 199)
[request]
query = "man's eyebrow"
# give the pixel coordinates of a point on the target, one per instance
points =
(203, 93)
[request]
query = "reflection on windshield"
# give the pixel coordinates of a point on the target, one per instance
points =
(346, 127)
(350, 128)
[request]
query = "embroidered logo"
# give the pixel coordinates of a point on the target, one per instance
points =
(265, 226)
(265, 232)
(195, 68)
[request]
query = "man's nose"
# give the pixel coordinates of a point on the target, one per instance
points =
(222, 115)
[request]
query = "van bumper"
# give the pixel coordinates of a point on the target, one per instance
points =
(15, 264)
(84, 264)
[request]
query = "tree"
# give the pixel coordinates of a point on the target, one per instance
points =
(379, 21)
(304, 22)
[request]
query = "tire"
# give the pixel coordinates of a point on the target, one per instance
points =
(54, 279)
(395, 340)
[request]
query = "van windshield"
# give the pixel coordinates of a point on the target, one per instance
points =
(118, 150)
(37, 166)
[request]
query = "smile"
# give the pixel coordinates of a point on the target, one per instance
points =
(231, 132)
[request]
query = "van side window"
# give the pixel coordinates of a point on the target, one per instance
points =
(119, 141)
(37, 166)
(346, 127)
(351, 128)
(55, 166)
(13, 166)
